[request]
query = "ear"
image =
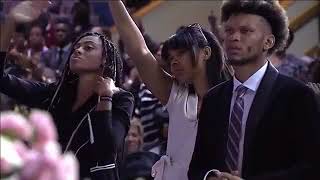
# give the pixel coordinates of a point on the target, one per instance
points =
(269, 42)
(206, 51)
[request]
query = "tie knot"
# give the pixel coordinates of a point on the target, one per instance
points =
(241, 90)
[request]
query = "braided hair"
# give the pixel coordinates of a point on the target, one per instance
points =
(112, 67)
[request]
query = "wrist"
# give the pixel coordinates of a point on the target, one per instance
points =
(105, 98)
(104, 106)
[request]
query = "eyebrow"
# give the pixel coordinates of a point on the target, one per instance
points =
(88, 42)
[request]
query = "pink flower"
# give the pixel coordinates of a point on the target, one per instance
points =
(32, 167)
(15, 125)
(39, 167)
(43, 161)
(67, 168)
(44, 127)
(9, 157)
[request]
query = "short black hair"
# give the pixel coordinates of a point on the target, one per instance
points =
(63, 20)
(36, 24)
(282, 53)
(270, 10)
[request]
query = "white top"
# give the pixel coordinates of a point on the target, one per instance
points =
(182, 132)
(252, 84)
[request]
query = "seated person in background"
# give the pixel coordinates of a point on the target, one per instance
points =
(137, 164)
(289, 64)
(56, 57)
(36, 43)
(134, 139)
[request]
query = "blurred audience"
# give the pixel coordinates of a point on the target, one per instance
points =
(102, 30)
(134, 139)
(55, 58)
(289, 64)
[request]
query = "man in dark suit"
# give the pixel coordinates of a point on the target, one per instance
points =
(56, 57)
(260, 125)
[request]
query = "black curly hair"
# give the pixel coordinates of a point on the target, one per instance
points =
(270, 10)
(112, 67)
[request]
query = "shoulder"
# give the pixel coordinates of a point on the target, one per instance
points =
(48, 53)
(292, 84)
(294, 89)
(123, 100)
(219, 89)
(123, 94)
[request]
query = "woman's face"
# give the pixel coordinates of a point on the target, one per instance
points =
(87, 55)
(181, 66)
(133, 140)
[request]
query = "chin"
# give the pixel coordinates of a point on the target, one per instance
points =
(239, 61)
(75, 69)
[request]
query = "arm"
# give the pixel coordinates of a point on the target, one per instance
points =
(150, 71)
(26, 92)
(6, 31)
(109, 129)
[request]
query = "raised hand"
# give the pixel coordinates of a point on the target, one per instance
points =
(27, 11)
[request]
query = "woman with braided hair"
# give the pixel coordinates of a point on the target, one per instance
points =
(90, 111)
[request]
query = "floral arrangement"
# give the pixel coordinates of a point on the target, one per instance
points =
(29, 149)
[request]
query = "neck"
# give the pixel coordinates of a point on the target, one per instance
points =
(20, 49)
(243, 72)
(35, 49)
(275, 60)
(200, 84)
(85, 89)
(62, 45)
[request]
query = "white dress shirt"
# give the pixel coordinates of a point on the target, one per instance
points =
(252, 84)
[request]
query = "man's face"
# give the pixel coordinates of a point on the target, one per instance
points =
(244, 38)
(61, 33)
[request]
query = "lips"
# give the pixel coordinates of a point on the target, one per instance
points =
(76, 58)
(177, 71)
(233, 50)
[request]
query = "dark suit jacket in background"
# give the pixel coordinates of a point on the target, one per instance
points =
(50, 60)
(282, 137)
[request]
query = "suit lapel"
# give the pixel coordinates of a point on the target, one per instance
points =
(223, 126)
(259, 105)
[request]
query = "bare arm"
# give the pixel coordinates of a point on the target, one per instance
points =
(158, 81)
(6, 31)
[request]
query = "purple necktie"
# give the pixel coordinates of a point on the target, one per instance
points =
(234, 130)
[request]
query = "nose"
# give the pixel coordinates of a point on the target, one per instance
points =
(235, 36)
(78, 51)
(174, 61)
